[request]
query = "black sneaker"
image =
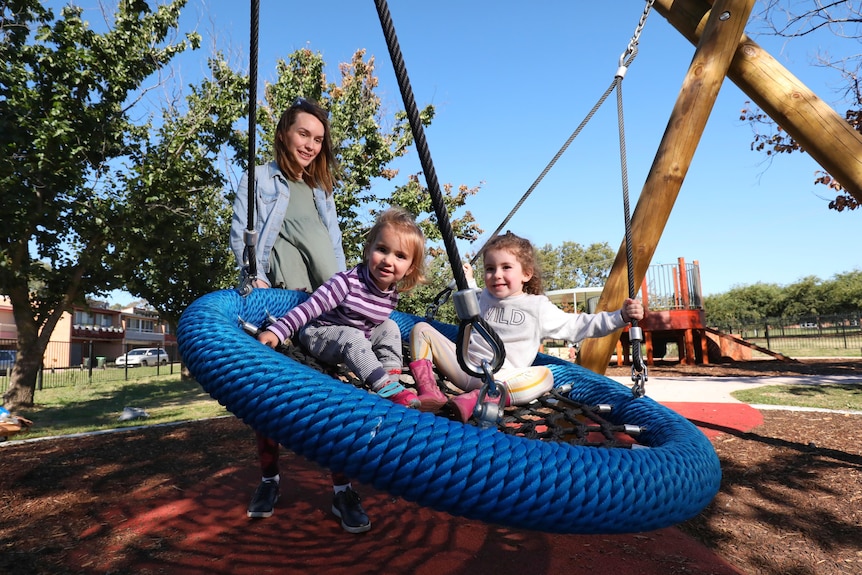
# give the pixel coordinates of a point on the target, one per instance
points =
(264, 499)
(346, 506)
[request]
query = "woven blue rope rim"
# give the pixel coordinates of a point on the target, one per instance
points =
(445, 465)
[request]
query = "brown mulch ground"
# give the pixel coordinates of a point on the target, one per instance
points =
(790, 501)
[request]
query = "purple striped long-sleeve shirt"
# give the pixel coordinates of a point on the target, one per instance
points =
(348, 298)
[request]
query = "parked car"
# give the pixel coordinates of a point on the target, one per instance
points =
(7, 360)
(143, 356)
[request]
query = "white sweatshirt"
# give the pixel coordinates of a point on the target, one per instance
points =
(523, 321)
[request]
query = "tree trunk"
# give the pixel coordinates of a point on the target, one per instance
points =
(32, 343)
(22, 383)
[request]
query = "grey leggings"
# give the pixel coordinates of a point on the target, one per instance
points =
(370, 358)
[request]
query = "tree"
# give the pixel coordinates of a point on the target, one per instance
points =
(804, 298)
(843, 19)
(844, 293)
(571, 265)
(66, 94)
(743, 305)
(178, 216)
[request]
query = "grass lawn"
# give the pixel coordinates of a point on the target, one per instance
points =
(826, 396)
(98, 405)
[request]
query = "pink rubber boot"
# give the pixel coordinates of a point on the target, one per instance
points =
(406, 398)
(464, 404)
(430, 396)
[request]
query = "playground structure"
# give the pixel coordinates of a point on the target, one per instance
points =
(722, 51)
(672, 294)
(674, 298)
(677, 473)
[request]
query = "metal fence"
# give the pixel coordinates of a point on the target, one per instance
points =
(832, 335)
(673, 286)
(87, 367)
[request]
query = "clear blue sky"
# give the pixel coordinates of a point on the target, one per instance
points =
(511, 81)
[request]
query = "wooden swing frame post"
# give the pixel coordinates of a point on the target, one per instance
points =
(718, 43)
(722, 50)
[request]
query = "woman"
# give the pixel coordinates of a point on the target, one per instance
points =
(298, 248)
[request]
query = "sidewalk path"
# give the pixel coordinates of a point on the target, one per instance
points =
(718, 389)
(708, 404)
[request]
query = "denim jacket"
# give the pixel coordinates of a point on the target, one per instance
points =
(271, 200)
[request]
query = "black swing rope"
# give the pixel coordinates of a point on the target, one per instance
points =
(466, 301)
(250, 236)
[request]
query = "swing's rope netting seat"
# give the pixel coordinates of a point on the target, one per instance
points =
(512, 479)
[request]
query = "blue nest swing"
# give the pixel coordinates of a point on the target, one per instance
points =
(461, 469)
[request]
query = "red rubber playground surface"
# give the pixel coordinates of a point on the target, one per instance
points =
(206, 531)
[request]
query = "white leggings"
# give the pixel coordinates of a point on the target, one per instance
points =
(524, 383)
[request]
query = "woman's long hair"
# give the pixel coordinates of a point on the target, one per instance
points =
(320, 172)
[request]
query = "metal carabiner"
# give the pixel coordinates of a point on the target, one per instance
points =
(498, 351)
(492, 400)
(467, 307)
(639, 369)
(439, 300)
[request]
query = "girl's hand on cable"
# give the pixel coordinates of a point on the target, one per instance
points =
(468, 271)
(632, 310)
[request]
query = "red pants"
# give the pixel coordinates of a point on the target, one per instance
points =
(267, 451)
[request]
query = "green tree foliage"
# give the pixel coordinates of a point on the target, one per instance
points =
(809, 297)
(66, 129)
(570, 265)
(177, 216)
(844, 293)
(743, 304)
(803, 298)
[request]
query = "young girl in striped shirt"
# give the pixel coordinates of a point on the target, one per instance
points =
(346, 320)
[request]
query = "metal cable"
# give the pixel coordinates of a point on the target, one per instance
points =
(249, 272)
(639, 375)
(421, 144)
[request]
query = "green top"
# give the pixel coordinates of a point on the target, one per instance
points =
(302, 256)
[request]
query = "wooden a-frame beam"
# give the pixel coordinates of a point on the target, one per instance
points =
(716, 47)
(823, 133)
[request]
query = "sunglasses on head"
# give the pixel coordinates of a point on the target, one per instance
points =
(307, 105)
